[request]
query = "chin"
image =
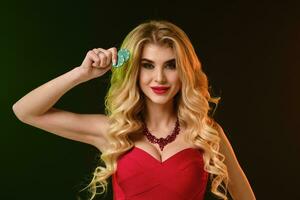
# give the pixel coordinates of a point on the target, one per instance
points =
(160, 100)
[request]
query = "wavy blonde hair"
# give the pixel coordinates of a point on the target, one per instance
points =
(125, 104)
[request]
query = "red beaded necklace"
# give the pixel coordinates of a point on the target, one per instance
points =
(162, 142)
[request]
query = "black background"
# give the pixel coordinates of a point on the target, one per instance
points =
(248, 49)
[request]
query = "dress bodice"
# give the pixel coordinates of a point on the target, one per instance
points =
(140, 176)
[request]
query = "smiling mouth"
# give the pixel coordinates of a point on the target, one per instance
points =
(159, 91)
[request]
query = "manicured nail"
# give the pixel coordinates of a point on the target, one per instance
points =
(123, 57)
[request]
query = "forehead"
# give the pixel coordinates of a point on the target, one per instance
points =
(157, 52)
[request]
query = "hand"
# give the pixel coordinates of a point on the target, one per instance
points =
(97, 62)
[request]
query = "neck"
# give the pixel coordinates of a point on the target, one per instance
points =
(160, 117)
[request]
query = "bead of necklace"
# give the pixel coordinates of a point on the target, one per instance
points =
(162, 142)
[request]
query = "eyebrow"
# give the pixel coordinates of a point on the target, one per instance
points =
(150, 61)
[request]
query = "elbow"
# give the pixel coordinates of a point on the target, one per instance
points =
(18, 113)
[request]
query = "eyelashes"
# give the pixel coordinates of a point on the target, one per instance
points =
(150, 66)
(147, 65)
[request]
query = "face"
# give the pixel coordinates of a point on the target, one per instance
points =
(158, 69)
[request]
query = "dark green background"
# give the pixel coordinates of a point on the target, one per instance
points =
(249, 50)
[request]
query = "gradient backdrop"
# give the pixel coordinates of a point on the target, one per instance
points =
(249, 50)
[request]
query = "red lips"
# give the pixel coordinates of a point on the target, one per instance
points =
(160, 89)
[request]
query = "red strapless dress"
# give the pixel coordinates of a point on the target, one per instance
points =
(140, 176)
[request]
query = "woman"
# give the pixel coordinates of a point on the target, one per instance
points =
(157, 139)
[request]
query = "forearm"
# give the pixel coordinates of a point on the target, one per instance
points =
(41, 99)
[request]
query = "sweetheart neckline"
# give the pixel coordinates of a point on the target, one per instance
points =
(169, 158)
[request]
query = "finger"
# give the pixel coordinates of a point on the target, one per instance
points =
(108, 56)
(91, 59)
(114, 52)
(97, 52)
(105, 60)
(95, 59)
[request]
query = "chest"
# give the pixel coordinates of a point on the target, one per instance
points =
(171, 149)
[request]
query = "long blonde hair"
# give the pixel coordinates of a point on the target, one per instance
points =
(125, 104)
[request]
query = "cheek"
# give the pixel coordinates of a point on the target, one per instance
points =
(175, 79)
(143, 78)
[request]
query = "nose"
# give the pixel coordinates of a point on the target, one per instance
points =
(160, 76)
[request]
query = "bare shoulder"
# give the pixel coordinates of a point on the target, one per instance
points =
(214, 124)
(224, 142)
(225, 145)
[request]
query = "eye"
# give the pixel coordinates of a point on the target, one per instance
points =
(147, 65)
(171, 65)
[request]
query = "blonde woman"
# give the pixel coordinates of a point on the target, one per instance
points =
(157, 138)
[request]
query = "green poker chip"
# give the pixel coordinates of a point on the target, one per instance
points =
(123, 57)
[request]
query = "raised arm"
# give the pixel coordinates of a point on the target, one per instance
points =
(238, 186)
(36, 107)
